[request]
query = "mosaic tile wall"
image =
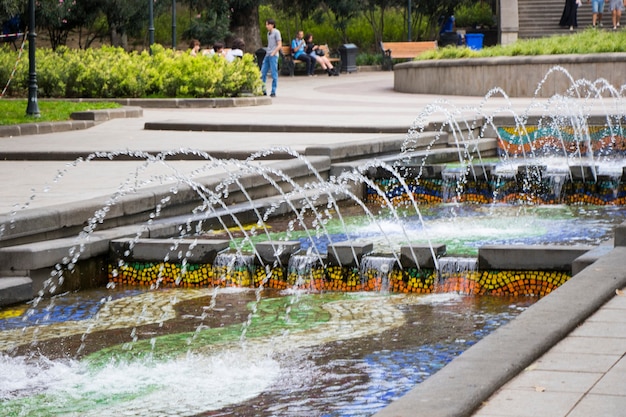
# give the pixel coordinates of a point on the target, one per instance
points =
(518, 142)
(527, 140)
(336, 278)
(435, 191)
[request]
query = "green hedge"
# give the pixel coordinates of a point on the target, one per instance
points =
(111, 72)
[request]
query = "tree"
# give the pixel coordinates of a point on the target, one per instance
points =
(211, 22)
(431, 11)
(375, 14)
(10, 8)
(59, 17)
(244, 22)
(10, 19)
(343, 11)
(226, 19)
(125, 17)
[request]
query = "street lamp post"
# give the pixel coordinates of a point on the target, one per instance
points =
(408, 13)
(151, 25)
(33, 107)
(173, 24)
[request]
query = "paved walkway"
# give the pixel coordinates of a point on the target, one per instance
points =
(582, 375)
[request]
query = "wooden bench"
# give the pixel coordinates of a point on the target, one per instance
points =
(289, 63)
(404, 50)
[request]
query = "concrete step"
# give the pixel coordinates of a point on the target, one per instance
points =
(541, 18)
(15, 290)
(589, 258)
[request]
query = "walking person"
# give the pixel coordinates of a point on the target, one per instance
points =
(298, 49)
(570, 13)
(270, 62)
(597, 7)
(616, 7)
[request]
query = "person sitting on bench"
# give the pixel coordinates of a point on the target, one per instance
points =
(298, 49)
(317, 53)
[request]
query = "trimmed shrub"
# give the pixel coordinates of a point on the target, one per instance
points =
(110, 72)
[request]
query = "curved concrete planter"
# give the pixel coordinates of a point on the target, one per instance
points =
(517, 76)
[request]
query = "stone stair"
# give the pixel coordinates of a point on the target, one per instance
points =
(539, 18)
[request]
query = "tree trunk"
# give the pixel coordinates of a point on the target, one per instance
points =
(244, 24)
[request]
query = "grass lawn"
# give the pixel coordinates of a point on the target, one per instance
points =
(14, 111)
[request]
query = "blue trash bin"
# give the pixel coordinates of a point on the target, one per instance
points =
(474, 40)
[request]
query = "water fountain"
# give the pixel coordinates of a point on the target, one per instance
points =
(224, 327)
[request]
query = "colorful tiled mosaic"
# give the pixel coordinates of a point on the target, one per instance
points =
(514, 142)
(515, 190)
(526, 140)
(344, 279)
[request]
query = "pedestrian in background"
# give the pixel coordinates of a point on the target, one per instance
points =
(570, 14)
(597, 7)
(616, 7)
(270, 62)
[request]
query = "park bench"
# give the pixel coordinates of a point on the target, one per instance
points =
(404, 50)
(289, 63)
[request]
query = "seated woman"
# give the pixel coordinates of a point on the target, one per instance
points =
(194, 47)
(312, 50)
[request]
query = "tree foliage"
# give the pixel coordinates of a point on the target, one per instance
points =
(222, 20)
(343, 11)
(60, 17)
(10, 8)
(124, 18)
(211, 22)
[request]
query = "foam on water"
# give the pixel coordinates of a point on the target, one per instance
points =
(465, 228)
(193, 384)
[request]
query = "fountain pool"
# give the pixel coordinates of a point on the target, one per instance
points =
(217, 352)
(463, 227)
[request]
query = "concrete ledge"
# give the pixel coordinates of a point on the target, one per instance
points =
(520, 76)
(276, 251)
(196, 103)
(348, 253)
(67, 220)
(173, 250)
(589, 258)
(620, 235)
(15, 290)
(107, 114)
(43, 127)
(80, 120)
(87, 119)
(529, 257)
(421, 256)
(352, 150)
(242, 127)
(460, 387)
(48, 253)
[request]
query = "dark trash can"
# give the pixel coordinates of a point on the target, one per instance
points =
(448, 38)
(347, 53)
(260, 55)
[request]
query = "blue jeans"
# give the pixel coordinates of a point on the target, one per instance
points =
(270, 63)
